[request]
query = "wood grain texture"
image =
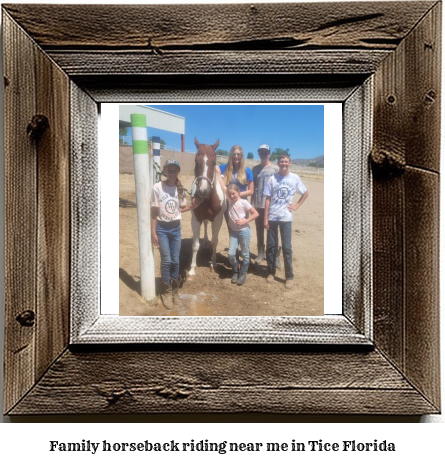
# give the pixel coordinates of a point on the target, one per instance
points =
(356, 211)
(422, 281)
(389, 149)
(37, 195)
(205, 62)
(274, 25)
(423, 91)
(222, 382)
(217, 87)
(406, 241)
(85, 240)
(408, 84)
(389, 146)
(398, 42)
(20, 213)
(110, 329)
(388, 267)
(53, 194)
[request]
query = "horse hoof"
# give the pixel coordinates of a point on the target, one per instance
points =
(191, 273)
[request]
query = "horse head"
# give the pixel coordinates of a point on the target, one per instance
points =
(205, 162)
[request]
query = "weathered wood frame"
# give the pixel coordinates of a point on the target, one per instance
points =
(130, 53)
(352, 326)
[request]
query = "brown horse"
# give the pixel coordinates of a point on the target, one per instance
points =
(206, 187)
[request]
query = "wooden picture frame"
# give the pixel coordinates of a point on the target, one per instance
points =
(57, 70)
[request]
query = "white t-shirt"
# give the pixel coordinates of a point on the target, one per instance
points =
(281, 191)
(166, 198)
(238, 211)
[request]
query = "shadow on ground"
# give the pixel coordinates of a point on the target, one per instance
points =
(203, 260)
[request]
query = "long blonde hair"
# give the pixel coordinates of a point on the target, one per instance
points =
(232, 187)
(181, 190)
(241, 174)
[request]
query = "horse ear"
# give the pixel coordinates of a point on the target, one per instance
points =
(215, 145)
(197, 143)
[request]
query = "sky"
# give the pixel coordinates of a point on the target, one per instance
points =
(295, 127)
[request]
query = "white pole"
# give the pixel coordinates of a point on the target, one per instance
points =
(143, 184)
(156, 146)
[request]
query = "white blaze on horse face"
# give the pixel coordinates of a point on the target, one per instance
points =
(204, 184)
(217, 220)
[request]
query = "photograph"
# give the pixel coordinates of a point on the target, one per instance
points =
(236, 210)
(133, 307)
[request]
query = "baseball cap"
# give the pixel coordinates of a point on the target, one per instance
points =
(172, 161)
(264, 146)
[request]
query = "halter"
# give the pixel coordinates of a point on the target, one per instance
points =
(195, 191)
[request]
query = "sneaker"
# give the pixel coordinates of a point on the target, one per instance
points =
(234, 278)
(289, 284)
(270, 278)
(242, 279)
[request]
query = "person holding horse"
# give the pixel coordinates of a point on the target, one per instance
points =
(279, 191)
(167, 203)
(239, 230)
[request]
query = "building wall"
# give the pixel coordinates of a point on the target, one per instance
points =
(186, 160)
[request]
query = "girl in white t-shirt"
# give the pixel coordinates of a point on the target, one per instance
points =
(239, 230)
(168, 201)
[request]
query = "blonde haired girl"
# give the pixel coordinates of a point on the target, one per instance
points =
(239, 230)
(236, 172)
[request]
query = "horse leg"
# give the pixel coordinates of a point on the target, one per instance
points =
(206, 237)
(216, 226)
(196, 226)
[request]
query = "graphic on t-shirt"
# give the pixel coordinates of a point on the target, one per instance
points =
(237, 211)
(170, 206)
(166, 199)
(283, 192)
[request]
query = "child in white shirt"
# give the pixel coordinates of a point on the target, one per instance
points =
(239, 231)
(168, 201)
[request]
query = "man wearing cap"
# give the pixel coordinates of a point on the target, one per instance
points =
(261, 175)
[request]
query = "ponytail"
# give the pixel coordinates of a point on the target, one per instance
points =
(181, 190)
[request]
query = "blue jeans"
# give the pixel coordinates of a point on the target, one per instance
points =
(243, 239)
(286, 244)
(169, 238)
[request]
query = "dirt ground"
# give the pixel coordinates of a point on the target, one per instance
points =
(211, 293)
